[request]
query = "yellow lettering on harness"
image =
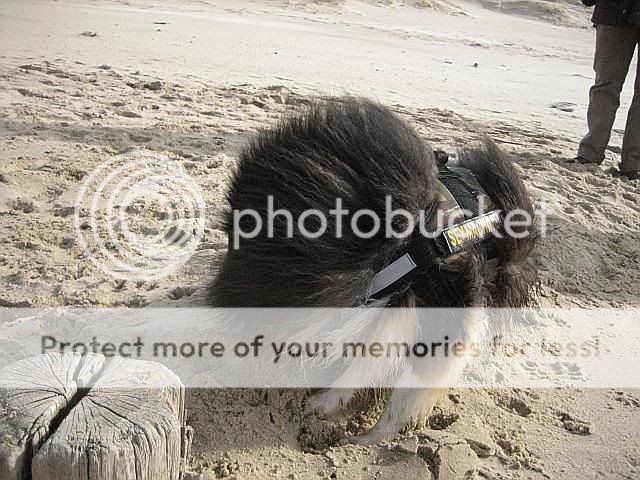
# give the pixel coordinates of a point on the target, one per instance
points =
(471, 231)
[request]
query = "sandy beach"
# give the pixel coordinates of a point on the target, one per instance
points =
(84, 80)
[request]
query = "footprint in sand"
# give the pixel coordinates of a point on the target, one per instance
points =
(128, 114)
(564, 106)
(181, 292)
(139, 138)
(515, 405)
(626, 399)
(574, 425)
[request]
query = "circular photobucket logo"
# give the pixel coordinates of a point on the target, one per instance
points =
(139, 216)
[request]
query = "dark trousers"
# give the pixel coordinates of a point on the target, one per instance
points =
(615, 47)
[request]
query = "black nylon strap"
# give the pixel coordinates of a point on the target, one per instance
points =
(425, 251)
(428, 253)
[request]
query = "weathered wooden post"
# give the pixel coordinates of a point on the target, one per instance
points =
(78, 417)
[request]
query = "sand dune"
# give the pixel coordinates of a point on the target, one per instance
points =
(560, 12)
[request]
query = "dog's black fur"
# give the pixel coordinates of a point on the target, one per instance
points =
(516, 278)
(359, 151)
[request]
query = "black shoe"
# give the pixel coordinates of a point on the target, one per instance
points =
(580, 160)
(586, 161)
(631, 175)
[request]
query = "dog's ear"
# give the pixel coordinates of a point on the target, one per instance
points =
(516, 279)
(515, 285)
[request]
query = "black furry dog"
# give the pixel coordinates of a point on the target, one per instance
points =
(360, 152)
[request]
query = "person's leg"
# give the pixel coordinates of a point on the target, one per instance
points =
(631, 143)
(614, 50)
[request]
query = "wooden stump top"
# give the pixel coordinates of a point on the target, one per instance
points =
(91, 418)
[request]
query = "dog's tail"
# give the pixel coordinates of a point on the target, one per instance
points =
(516, 278)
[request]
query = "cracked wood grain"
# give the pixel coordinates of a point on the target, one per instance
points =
(91, 418)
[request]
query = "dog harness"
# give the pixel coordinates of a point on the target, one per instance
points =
(461, 205)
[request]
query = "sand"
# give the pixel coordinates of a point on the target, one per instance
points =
(81, 82)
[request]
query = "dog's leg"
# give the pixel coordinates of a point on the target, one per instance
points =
(330, 401)
(342, 391)
(407, 407)
(357, 375)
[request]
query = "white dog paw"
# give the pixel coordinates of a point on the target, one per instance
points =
(326, 403)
